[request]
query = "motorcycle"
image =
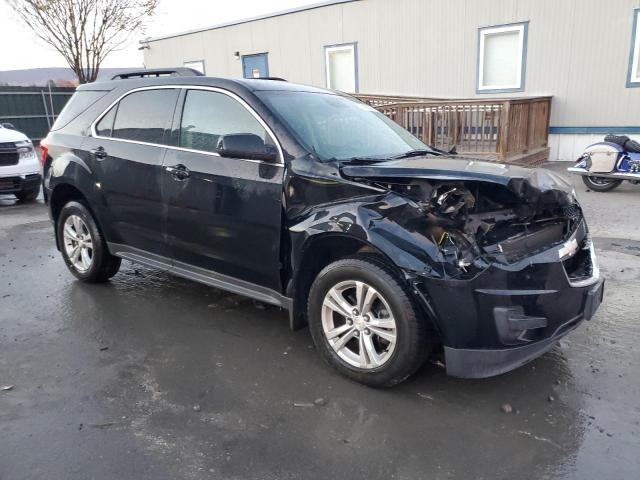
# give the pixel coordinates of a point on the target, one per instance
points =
(605, 165)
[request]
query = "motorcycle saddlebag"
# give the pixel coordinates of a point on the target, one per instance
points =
(603, 157)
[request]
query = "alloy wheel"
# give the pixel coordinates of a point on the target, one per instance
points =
(78, 243)
(358, 324)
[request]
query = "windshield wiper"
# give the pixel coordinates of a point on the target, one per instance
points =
(416, 153)
(360, 160)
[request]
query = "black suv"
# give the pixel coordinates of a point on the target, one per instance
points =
(315, 202)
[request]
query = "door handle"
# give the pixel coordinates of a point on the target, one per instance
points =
(100, 153)
(178, 172)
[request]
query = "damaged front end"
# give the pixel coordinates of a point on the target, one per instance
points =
(476, 224)
(507, 266)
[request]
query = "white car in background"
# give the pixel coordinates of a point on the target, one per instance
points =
(19, 165)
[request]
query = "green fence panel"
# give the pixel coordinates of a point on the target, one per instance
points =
(32, 110)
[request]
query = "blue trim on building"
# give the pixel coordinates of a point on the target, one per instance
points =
(634, 33)
(593, 130)
(523, 67)
(355, 62)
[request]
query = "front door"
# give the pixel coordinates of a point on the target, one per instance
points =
(255, 66)
(126, 157)
(223, 214)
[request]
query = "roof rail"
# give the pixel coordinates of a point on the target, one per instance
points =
(158, 72)
(278, 79)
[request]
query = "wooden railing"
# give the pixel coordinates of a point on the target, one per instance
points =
(511, 130)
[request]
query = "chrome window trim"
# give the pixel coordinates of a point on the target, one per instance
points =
(191, 150)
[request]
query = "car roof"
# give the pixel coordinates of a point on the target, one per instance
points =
(233, 84)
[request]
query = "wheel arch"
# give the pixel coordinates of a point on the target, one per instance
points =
(317, 252)
(62, 194)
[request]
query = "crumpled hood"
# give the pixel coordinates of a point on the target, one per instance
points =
(526, 183)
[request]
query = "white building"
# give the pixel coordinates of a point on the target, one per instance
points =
(585, 53)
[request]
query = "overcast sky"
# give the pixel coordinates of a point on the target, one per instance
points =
(21, 49)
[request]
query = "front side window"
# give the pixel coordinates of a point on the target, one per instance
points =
(501, 58)
(634, 62)
(336, 127)
(208, 116)
(144, 116)
(341, 67)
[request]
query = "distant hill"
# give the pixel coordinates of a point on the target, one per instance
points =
(40, 76)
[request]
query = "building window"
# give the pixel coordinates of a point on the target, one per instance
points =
(196, 65)
(341, 67)
(502, 53)
(255, 65)
(633, 79)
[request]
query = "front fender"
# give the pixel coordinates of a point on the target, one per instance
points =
(389, 223)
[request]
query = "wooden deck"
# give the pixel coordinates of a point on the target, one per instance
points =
(509, 130)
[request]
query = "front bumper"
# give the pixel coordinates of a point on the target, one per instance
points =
(19, 183)
(481, 363)
(510, 314)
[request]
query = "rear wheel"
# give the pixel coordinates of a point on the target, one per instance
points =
(82, 245)
(365, 324)
(600, 184)
(28, 195)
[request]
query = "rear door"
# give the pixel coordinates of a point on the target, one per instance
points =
(128, 148)
(224, 214)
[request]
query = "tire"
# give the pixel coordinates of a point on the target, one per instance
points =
(102, 265)
(390, 363)
(28, 195)
(599, 184)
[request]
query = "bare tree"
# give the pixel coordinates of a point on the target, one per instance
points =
(84, 32)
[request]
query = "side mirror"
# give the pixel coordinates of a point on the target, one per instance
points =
(246, 145)
(8, 125)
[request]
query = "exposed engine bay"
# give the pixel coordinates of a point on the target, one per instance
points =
(475, 223)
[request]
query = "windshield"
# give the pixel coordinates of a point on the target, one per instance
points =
(339, 128)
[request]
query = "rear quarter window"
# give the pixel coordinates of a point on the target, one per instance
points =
(78, 103)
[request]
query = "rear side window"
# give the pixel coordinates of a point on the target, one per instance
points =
(144, 116)
(78, 103)
(207, 116)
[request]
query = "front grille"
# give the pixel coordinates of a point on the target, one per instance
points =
(572, 212)
(8, 154)
(579, 266)
(9, 184)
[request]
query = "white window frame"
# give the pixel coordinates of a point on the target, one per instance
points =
(353, 47)
(192, 63)
(522, 29)
(633, 77)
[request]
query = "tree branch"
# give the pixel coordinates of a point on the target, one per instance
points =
(84, 32)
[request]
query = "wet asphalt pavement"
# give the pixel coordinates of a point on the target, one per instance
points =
(154, 377)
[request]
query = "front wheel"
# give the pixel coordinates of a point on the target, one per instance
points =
(82, 245)
(365, 324)
(600, 184)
